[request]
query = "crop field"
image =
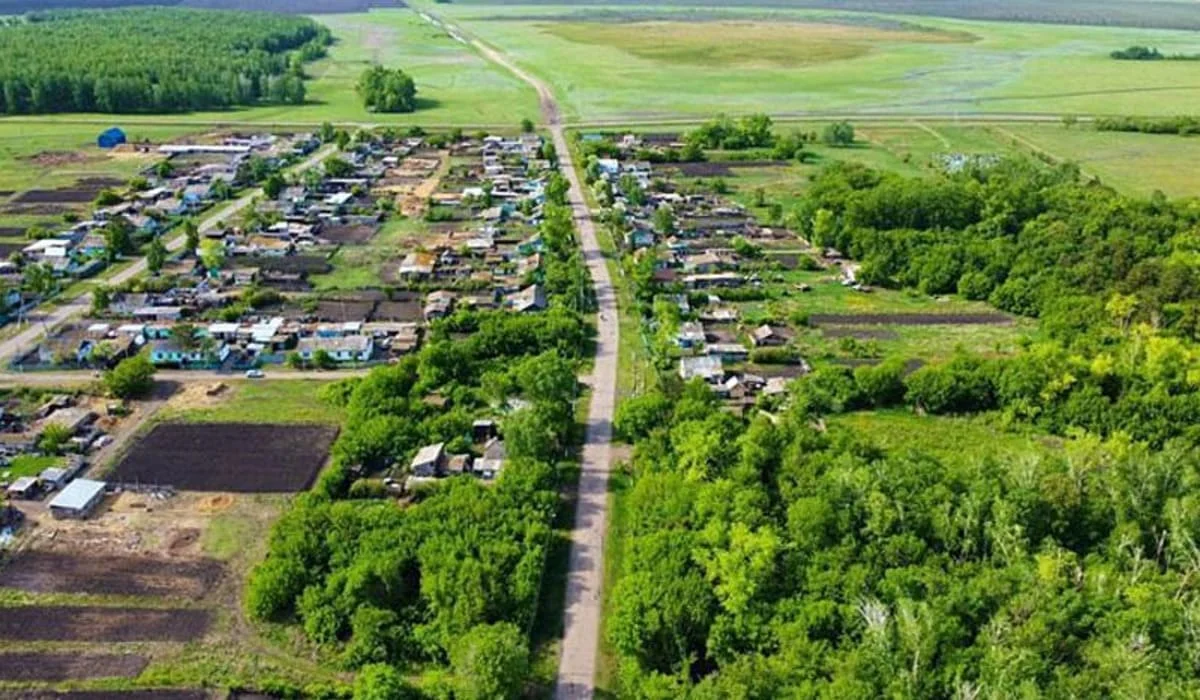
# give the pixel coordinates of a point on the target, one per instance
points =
(52, 572)
(879, 63)
(65, 666)
(234, 457)
(102, 624)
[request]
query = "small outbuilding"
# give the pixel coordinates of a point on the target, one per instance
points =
(111, 138)
(78, 499)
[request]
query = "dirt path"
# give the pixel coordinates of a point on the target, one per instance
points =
(585, 576)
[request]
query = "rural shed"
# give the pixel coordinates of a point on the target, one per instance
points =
(78, 499)
(110, 138)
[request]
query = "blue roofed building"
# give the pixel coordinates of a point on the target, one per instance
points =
(111, 138)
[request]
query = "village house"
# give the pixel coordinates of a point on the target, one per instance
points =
(768, 336)
(429, 462)
(690, 335)
(707, 367)
(348, 348)
(438, 304)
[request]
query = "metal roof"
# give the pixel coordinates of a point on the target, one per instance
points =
(78, 494)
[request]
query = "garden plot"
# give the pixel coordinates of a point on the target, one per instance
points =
(58, 666)
(54, 572)
(99, 624)
(230, 457)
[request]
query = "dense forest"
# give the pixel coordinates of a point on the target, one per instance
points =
(453, 577)
(154, 60)
(771, 559)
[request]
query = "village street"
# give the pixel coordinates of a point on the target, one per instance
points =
(585, 577)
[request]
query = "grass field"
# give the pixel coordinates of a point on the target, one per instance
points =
(878, 64)
(282, 401)
(944, 437)
(48, 154)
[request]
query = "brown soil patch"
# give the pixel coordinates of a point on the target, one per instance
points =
(183, 539)
(53, 572)
(96, 624)
(229, 457)
(54, 158)
(57, 667)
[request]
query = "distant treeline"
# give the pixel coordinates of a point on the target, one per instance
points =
(1149, 53)
(292, 7)
(154, 60)
(1181, 125)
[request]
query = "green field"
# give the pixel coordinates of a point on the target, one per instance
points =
(944, 437)
(46, 154)
(281, 401)
(795, 62)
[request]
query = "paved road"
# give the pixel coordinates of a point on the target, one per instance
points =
(47, 317)
(585, 577)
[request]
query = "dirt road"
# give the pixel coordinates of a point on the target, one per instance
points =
(42, 319)
(585, 577)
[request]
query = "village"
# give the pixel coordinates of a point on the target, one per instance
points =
(243, 297)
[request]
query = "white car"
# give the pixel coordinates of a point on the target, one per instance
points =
(255, 374)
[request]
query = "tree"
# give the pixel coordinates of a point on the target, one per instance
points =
(527, 125)
(132, 378)
(384, 90)
(54, 438)
(664, 220)
(108, 198)
(381, 682)
(326, 132)
(101, 299)
(38, 279)
(273, 185)
(191, 242)
(156, 255)
(490, 661)
(839, 134)
(118, 238)
(323, 360)
(212, 254)
(336, 167)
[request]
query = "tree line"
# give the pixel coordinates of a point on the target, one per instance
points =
(1149, 53)
(1182, 125)
(155, 60)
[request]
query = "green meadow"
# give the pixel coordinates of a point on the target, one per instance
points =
(797, 62)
